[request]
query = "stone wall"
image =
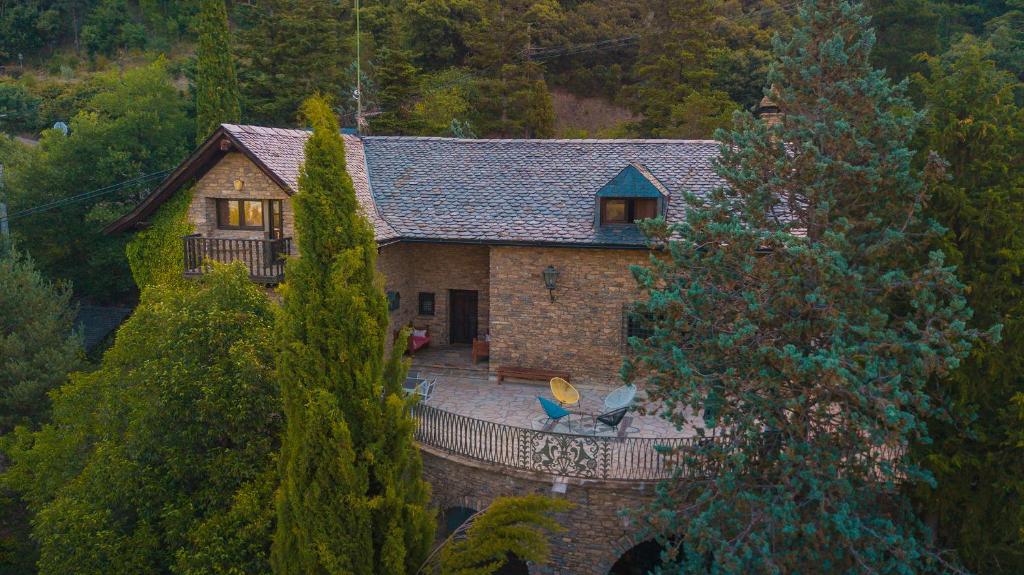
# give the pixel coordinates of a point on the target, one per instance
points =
(219, 183)
(435, 268)
(582, 331)
(597, 532)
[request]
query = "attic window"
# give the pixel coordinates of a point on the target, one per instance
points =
(634, 194)
(627, 210)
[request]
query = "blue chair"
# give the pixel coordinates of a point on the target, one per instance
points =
(554, 411)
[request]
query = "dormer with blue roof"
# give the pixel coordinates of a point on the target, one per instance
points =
(634, 194)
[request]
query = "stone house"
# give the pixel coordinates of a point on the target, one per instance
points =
(466, 230)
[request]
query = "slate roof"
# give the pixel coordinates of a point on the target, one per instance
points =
(494, 191)
(281, 151)
(95, 323)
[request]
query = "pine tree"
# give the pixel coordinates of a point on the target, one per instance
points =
(38, 348)
(396, 80)
(351, 497)
(216, 84)
(292, 48)
(978, 458)
(673, 93)
(513, 99)
(511, 526)
(795, 309)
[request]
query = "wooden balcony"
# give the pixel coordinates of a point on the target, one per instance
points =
(264, 258)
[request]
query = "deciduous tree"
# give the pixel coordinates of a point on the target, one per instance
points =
(165, 441)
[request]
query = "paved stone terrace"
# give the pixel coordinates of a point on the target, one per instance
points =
(467, 390)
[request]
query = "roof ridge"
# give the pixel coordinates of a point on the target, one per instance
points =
(271, 130)
(546, 140)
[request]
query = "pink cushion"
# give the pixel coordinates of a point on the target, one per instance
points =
(416, 341)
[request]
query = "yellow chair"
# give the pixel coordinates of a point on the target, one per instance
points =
(565, 393)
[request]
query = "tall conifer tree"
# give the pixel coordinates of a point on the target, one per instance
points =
(674, 92)
(795, 309)
(216, 83)
(975, 124)
(351, 498)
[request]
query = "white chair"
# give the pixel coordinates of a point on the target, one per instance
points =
(620, 397)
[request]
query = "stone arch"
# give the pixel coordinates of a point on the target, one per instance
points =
(453, 517)
(635, 557)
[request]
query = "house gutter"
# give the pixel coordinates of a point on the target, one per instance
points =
(513, 243)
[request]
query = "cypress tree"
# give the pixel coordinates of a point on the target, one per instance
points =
(796, 310)
(351, 498)
(975, 124)
(216, 84)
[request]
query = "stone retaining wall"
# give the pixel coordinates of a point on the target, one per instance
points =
(597, 532)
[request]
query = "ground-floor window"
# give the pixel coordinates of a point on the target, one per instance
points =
(426, 303)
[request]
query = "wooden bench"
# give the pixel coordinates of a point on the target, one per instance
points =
(529, 373)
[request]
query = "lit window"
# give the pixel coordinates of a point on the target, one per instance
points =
(615, 211)
(627, 210)
(253, 213)
(240, 214)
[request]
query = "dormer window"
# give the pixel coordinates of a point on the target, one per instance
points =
(627, 210)
(634, 194)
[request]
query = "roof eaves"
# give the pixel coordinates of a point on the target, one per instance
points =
(187, 170)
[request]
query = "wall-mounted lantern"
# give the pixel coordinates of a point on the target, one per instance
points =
(239, 184)
(550, 275)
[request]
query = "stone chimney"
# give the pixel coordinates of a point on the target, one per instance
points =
(769, 112)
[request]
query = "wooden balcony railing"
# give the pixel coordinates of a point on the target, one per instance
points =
(263, 258)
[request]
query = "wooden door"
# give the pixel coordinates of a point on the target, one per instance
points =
(276, 219)
(462, 316)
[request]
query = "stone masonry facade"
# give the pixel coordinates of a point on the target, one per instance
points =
(598, 528)
(219, 183)
(412, 268)
(583, 330)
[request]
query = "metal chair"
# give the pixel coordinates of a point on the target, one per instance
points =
(611, 419)
(421, 387)
(565, 393)
(554, 411)
(620, 397)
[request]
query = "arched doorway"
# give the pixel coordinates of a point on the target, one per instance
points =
(640, 559)
(454, 517)
(515, 566)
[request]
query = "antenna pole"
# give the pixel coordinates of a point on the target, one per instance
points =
(5, 232)
(359, 74)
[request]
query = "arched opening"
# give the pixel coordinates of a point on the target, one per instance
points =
(454, 517)
(640, 559)
(515, 566)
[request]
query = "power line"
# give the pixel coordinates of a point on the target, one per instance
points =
(88, 195)
(544, 54)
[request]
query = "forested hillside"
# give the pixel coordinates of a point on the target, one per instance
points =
(478, 67)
